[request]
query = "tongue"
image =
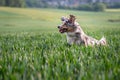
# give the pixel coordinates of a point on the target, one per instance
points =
(61, 31)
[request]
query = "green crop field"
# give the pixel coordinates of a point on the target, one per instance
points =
(31, 48)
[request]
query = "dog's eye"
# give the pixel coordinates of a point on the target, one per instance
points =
(68, 21)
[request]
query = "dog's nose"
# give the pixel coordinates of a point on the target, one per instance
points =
(58, 26)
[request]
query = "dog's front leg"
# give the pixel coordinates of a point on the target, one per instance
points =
(70, 40)
(85, 40)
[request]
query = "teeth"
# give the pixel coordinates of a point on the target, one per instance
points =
(60, 31)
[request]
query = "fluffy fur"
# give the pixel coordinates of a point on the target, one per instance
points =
(75, 34)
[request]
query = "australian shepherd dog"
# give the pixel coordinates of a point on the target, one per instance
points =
(75, 34)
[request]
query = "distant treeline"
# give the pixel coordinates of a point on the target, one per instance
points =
(13, 3)
(24, 3)
(89, 6)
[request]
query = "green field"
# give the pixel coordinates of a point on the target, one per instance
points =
(31, 48)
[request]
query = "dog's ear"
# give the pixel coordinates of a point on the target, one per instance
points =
(72, 18)
(63, 18)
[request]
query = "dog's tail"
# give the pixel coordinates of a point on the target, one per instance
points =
(102, 41)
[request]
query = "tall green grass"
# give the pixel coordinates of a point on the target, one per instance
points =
(32, 49)
(47, 56)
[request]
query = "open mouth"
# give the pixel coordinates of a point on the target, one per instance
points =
(62, 30)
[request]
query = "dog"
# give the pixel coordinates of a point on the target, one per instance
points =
(75, 34)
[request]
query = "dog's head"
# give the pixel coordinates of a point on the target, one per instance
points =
(68, 24)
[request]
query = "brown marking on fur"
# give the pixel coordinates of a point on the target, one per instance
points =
(85, 41)
(68, 28)
(72, 19)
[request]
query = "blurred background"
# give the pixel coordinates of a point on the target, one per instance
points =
(44, 15)
(89, 5)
